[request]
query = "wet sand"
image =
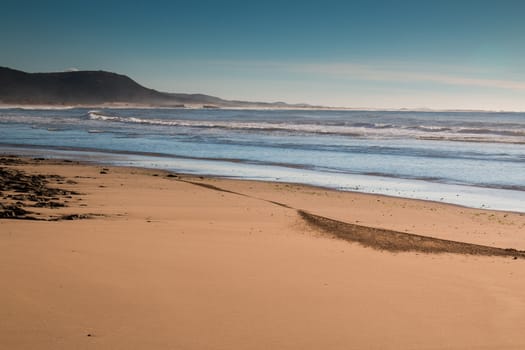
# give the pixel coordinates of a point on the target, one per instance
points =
(134, 258)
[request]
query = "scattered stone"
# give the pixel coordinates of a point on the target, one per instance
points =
(18, 197)
(11, 160)
(12, 211)
(74, 217)
(50, 204)
(21, 190)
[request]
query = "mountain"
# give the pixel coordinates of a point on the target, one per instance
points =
(92, 88)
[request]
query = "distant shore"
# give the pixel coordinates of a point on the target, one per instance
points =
(185, 106)
(284, 108)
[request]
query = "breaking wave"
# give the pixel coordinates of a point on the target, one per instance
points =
(498, 134)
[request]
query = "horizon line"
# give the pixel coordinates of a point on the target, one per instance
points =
(289, 105)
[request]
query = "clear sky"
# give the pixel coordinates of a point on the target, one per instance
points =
(379, 54)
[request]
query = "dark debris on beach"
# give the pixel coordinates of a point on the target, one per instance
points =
(394, 241)
(20, 191)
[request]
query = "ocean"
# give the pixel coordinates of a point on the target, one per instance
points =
(474, 159)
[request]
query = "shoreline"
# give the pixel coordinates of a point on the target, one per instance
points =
(376, 183)
(153, 258)
(213, 182)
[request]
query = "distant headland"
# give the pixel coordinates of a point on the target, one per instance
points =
(101, 88)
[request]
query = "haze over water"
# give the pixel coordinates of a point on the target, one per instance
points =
(475, 159)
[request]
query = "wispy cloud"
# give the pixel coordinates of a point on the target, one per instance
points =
(376, 72)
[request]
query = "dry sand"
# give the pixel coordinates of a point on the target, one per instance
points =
(190, 263)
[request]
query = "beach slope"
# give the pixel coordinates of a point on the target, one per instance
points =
(141, 259)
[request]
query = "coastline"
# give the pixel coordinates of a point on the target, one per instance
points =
(255, 108)
(486, 198)
(165, 256)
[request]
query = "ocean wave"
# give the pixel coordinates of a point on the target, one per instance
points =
(497, 134)
(431, 128)
(232, 125)
(503, 132)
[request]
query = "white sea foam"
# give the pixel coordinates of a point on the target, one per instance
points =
(378, 130)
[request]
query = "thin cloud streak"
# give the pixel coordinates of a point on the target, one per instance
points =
(381, 74)
(376, 73)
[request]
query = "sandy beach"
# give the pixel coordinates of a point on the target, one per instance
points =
(96, 257)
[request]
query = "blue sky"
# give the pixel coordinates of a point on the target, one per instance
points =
(378, 54)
